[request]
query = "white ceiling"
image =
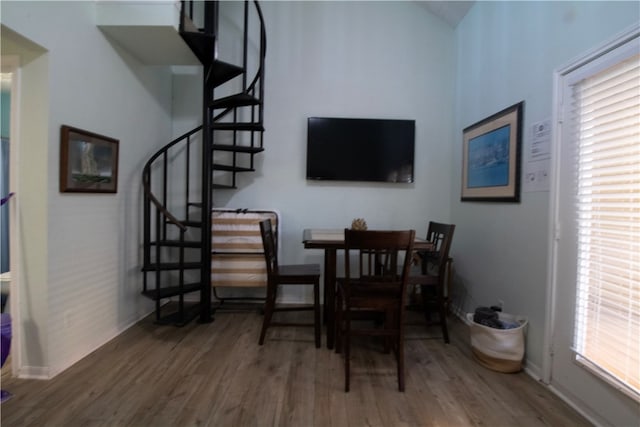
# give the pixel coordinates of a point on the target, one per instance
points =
(451, 11)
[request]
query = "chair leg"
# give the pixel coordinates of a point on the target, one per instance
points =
(325, 307)
(389, 322)
(316, 309)
(425, 292)
(443, 317)
(447, 298)
(347, 350)
(269, 306)
(441, 308)
(400, 355)
(338, 324)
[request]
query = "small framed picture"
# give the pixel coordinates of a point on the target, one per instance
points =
(491, 157)
(88, 162)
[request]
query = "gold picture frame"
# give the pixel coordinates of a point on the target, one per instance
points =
(491, 157)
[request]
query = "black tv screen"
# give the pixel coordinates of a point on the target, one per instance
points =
(345, 149)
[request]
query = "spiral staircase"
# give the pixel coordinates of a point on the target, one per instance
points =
(179, 179)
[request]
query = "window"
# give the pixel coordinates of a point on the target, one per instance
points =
(604, 112)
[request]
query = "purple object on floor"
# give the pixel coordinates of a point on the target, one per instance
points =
(5, 335)
(5, 346)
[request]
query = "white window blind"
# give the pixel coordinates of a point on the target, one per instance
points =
(606, 114)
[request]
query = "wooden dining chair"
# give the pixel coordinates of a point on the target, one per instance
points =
(376, 271)
(432, 273)
(296, 274)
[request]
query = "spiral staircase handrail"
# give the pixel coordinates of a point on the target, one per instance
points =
(263, 53)
(263, 47)
(146, 177)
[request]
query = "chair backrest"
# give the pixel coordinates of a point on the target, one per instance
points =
(374, 257)
(270, 246)
(441, 236)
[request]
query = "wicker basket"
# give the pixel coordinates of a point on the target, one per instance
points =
(500, 350)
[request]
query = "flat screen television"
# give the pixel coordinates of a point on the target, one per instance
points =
(346, 149)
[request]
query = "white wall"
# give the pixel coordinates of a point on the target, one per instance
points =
(92, 281)
(507, 52)
(351, 59)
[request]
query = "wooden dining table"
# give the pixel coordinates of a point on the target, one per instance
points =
(332, 240)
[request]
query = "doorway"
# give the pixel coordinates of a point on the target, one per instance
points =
(591, 340)
(8, 234)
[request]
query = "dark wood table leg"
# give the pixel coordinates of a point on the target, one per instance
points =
(330, 295)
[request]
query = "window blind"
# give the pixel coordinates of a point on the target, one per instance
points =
(606, 114)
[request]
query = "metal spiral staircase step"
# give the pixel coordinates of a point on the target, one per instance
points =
(201, 44)
(167, 266)
(256, 127)
(231, 168)
(237, 148)
(223, 187)
(181, 317)
(191, 223)
(177, 243)
(237, 100)
(171, 291)
(223, 72)
(187, 223)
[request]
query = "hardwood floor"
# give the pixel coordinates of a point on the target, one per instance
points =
(217, 375)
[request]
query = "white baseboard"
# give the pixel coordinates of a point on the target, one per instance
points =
(581, 409)
(33, 372)
(46, 373)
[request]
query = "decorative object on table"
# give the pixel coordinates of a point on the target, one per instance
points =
(491, 157)
(359, 224)
(88, 162)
